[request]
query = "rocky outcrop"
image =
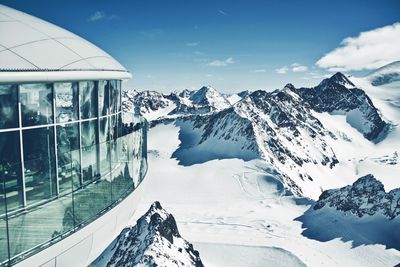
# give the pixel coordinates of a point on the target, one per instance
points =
(153, 241)
(364, 197)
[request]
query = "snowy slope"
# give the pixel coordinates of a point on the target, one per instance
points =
(223, 203)
(386, 74)
(362, 213)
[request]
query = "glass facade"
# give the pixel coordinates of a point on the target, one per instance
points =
(63, 145)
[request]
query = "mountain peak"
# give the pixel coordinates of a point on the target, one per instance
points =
(366, 196)
(337, 78)
(153, 241)
(289, 86)
(207, 95)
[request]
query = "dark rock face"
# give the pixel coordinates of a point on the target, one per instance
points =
(339, 95)
(153, 241)
(366, 196)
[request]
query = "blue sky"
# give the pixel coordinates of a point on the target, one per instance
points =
(230, 45)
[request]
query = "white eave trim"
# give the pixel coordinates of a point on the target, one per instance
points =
(50, 76)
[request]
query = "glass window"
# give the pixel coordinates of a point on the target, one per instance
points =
(122, 166)
(3, 224)
(39, 225)
(8, 106)
(115, 95)
(36, 104)
(114, 127)
(68, 153)
(104, 134)
(88, 99)
(104, 98)
(90, 152)
(10, 170)
(66, 99)
(40, 180)
(104, 137)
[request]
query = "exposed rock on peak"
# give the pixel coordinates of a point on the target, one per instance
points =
(336, 79)
(366, 196)
(337, 95)
(289, 86)
(207, 95)
(153, 241)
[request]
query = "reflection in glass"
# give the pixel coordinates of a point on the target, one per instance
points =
(3, 224)
(88, 99)
(115, 96)
(104, 134)
(10, 170)
(66, 100)
(114, 127)
(40, 180)
(104, 98)
(89, 150)
(37, 226)
(36, 104)
(69, 163)
(8, 106)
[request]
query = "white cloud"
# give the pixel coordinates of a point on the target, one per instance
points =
(369, 50)
(282, 70)
(222, 12)
(222, 63)
(100, 15)
(317, 75)
(229, 60)
(260, 70)
(296, 67)
(192, 44)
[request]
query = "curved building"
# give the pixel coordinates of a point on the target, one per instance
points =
(72, 161)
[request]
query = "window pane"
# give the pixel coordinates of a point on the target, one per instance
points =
(39, 225)
(89, 150)
(115, 120)
(10, 169)
(66, 98)
(122, 167)
(104, 98)
(36, 103)
(69, 163)
(104, 129)
(8, 106)
(40, 180)
(88, 96)
(115, 96)
(3, 224)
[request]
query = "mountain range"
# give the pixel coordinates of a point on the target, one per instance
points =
(285, 127)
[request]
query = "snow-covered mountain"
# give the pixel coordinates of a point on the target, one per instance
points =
(362, 213)
(295, 129)
(386, 74)
(153, 241)
(338, 95)
(365, 197)
(154, 105)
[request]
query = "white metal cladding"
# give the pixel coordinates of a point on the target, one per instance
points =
(29, 44)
